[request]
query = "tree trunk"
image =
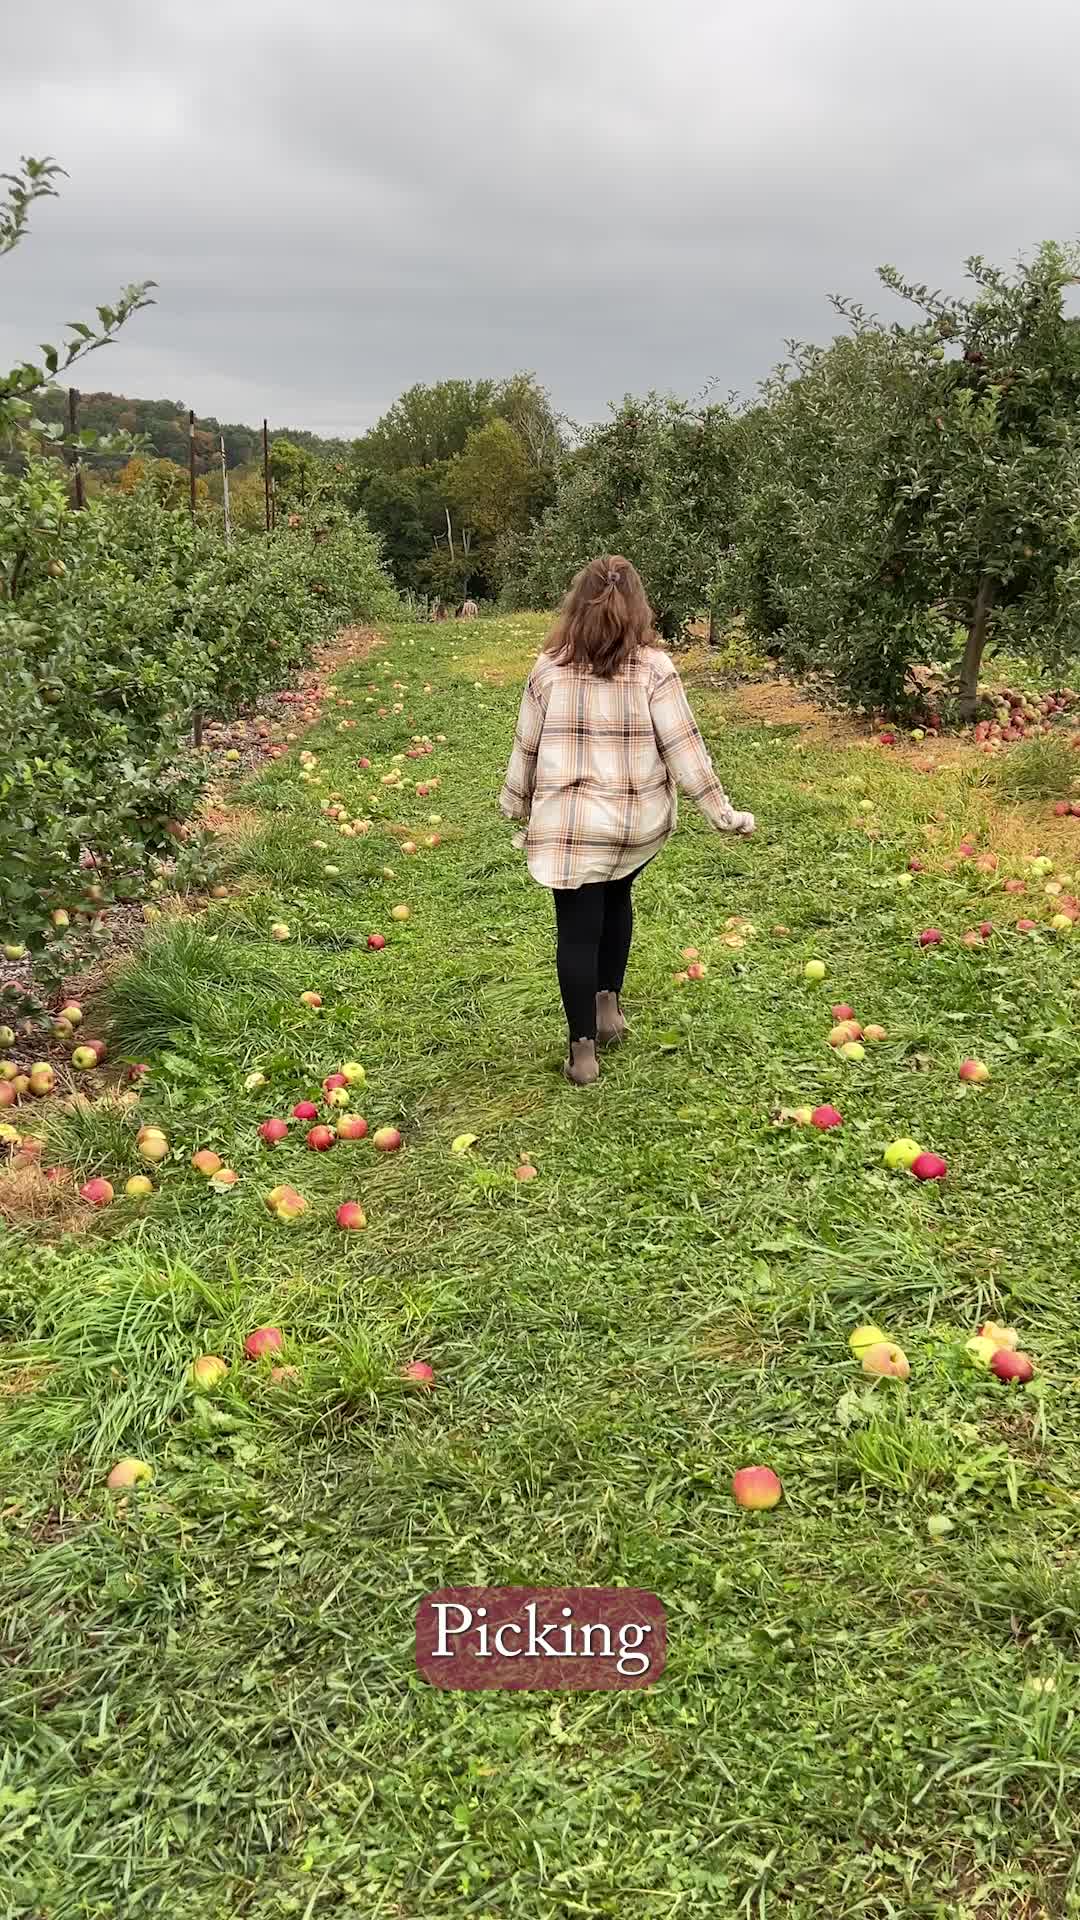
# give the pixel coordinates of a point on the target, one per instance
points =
(973, 652)
(712, 626)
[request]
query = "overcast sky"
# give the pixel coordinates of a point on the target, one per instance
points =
(341, 197)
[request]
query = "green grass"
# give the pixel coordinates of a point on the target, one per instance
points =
(208, 1702)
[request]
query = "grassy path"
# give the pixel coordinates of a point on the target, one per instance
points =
(871, 1706)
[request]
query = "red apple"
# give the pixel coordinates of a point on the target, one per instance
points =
(1008, 1365)
(929, 1166)
(986, 928)
(376, 941)
(419, 1373)
(842, 1011)
(387, 1139)
(272, 1131)
(352, 1126)
(525, 1172)
(334, 1080)
(97, 1193)
(305, 1110)
(351, 1216)
(931, 937)
(264, 1340)
(826, 1118)
(915, 866)
(756, 1488)
(974, 1070)
(321, 1138)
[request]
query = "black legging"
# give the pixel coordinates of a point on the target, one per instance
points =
(595, 926)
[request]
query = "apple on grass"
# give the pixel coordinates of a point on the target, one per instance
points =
(902, 1154)
(975, 1071)
(852, 1050)
(351, 1216)
(85, 1059)
(840, 1013)
(931, 937)
(387, 1139)
(333, 1080)
(419, 1373)
(206, 1162)
(352, 1126)
(874, 1034)
(1006, 1364)
(399, 913)
(321, 1138)
(138, 1187)
(825, 1119)
(353, 1074)
(814, 970)
(208, 1372)
(129, 1473)
(153, 1145)
(313, 1000)
(72, 1012)
(97, 1193)
(1001, 1336)
(262, 1341)
(756, 1488)
(887, 1360)
(305, 1110)
(286, 1204)
(929, 1166)
(42, 1079)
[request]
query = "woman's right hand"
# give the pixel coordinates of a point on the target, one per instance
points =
(744, 823)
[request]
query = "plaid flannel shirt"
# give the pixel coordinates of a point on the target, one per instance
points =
(595, 768)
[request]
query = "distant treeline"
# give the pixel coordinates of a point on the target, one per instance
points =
(163, 424)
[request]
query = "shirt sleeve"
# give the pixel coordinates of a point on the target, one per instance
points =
(686, 756)
(515, 800)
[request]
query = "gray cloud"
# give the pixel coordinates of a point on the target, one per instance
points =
(343, 197)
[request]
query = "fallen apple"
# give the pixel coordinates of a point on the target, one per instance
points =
(931, 937)
(353, 1073)
(42, 1079)
(756, 1488)
(97, 1193)
(352, 1126)
(886, 1359)
(980, 1349)
(208, 1372)
(387, 1139)
(825, 1118)
(874, 1034)
(1005, 1364)
(525, 1172)
(842, 1011)
(309, 999)
(844, 1031)
(254, 1082)
(206, 1162)
(419, 1374)
(814, 970)
(852, 1050)
(264, 1340)
(225, 1179)
(284, 1376)
(802, 1116)
(305, 1110)
(271, 1132)
(376, 941)
(138, 1187)
(85, 1059)
(399, 913)
(72, 1012)
(320, 1139)
(351, 1216)
(929, 1166)
(902, 1153)
(334, 1080)
(975, 1071)
(286, 1204)
(1001, 1336)
(129, 1473)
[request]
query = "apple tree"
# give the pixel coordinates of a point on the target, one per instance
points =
(911, 493)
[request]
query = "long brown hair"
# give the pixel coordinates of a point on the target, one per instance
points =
(605, 618)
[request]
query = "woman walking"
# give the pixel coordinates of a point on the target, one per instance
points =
(604, 737)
